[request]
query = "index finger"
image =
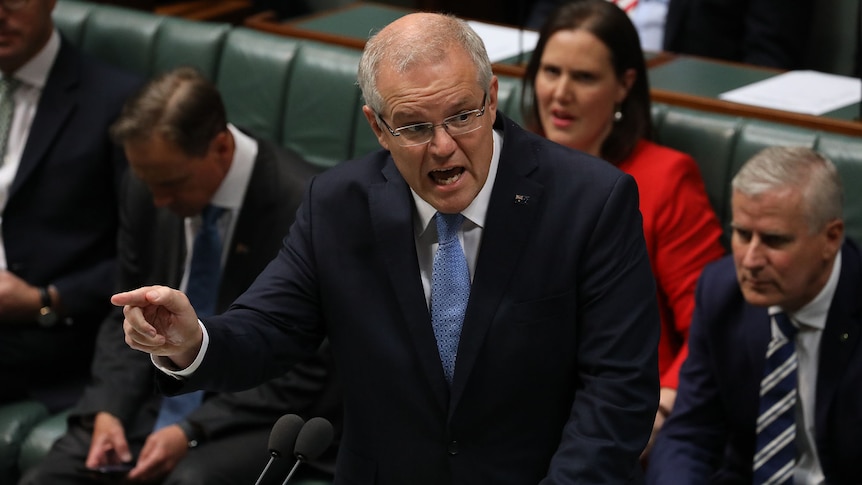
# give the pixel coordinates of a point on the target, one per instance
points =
(151, 295)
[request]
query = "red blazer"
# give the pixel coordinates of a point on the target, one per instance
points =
(682, 235)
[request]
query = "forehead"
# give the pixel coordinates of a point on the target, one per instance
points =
(578, 46)
(779, 210)
(429, 84)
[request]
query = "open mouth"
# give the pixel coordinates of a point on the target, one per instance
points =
(446, 176)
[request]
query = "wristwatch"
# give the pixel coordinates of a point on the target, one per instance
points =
(47, 317)
(192, 432)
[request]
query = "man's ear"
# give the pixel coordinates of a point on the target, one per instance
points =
(374, 123)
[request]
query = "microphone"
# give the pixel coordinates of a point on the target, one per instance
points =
(282, 439)
(313, 439)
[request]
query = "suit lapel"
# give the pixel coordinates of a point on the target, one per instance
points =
(512, 210)
(52, 113)
(391, 211)
(840, 337)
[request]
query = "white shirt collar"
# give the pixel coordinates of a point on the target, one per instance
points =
(231, 192)
(814, 313)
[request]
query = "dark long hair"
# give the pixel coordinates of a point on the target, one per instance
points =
(612, 26)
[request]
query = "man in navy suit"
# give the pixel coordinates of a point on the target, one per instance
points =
(183, 156)
(789, 257)
(59, 179)
(555, 377)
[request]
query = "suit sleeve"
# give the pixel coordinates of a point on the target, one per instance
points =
(689, 446)
(617, 394)
(122, 378)
(777, 32)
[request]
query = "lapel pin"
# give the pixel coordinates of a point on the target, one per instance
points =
(845, 337)
(522, 199)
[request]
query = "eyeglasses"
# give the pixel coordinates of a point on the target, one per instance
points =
(422, 133)
(13, 5)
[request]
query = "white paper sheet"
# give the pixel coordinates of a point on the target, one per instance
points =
(808, 92)
(505, 42)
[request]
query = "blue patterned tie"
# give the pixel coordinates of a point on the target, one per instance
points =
(775, 456)
(202, 290)
(450, 290)
(8, 86)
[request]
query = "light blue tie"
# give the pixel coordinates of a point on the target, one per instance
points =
(450, 290)
(8, 86)
(202, 291)
(775, 456)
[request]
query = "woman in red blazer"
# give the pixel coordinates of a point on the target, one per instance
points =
(586, 88)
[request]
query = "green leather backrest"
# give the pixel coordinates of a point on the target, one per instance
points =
(721, 144)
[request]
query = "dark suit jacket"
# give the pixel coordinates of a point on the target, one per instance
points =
(557, 370)
(60, 222)
(152, 251)
(770, 33)
(711, 432)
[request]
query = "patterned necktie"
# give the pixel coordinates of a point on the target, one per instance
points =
(7, 110)
(775, 456)
(202, 290)
(450, 290)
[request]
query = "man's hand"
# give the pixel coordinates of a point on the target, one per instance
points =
(667, 398)
(108, 445)
(18, 300)
(161, 453)
(161, 321)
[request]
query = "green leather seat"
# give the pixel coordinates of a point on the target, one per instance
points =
(16, 422)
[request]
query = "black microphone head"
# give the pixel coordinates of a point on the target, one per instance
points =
(314, 438)
(283, 436)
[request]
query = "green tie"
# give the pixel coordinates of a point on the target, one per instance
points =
(7, 110)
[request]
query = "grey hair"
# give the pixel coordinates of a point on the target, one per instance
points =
(801, 168)
(403, 49)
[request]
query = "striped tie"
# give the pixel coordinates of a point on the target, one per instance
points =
(775, 457)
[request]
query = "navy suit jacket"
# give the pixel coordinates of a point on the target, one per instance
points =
(710, 436)
(60, 221)
(152, 251)
(770, 33)
(556, 377)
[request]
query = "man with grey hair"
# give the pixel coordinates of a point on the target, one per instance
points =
(770, 390)
(486, 292)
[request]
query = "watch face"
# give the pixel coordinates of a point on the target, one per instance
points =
(47, 317)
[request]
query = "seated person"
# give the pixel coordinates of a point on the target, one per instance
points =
(185, 158)
(59, 178)
(774, 358)
(586, 88)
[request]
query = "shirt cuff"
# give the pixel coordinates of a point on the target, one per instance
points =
(165, 365)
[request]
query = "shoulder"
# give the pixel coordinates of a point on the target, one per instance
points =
(718, 284)
(94, 74)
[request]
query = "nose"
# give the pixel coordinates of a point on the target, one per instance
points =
(561, 89)
(753, 256)
(442, 143)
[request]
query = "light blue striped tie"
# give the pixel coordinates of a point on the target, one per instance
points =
(450, 290)
(202, 291)
(775, 457)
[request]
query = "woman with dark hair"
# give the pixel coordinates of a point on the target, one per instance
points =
(586, 87)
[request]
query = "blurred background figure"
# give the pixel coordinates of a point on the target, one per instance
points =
(585, 87)
(187, 162)
(59, 178)
(770, 390)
